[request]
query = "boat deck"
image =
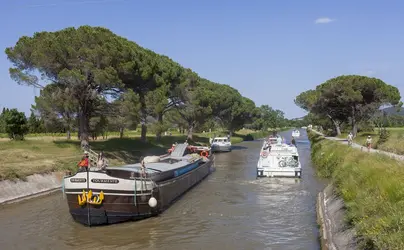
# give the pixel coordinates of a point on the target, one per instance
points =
(155, 167)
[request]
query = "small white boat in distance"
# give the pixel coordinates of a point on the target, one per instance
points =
(296, 133)
(278, 159)
(221, 144)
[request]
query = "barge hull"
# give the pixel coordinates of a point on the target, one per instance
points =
(123, 206)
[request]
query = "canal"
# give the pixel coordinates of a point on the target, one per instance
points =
(230, 209)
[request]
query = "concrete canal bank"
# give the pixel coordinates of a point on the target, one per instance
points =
(33, 186)
(362, 207)
(331, 219)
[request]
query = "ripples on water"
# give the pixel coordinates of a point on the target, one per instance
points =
(231, 209)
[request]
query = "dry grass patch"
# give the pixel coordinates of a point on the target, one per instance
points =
(22, 158)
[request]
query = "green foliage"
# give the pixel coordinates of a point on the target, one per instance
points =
(2, 122)
(349, 99)
(16, 124)
(82, 68)
(372, 188)
(81, 61)
(384, 135)
(35, 125)
(266, 117)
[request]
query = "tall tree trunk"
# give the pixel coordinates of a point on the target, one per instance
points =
(191, 126)
(121, 133)
(143, 116)
(160, 125)
(68, 134)
(84, 126)
(354, 123)
(337, 128)
(78, 126)
(336, 125)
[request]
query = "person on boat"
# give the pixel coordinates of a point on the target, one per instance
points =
(279, 140)
(369, 143)
(293, 140)
(101, 161)
(84, 163)
(350, 138)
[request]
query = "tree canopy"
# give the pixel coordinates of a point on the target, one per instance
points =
(93, 80)
(349, 98)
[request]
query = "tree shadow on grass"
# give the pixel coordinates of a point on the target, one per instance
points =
(365, 134)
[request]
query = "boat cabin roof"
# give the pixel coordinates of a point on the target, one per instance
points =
(220, 138)
(165, 164)
(283, 149)
(178, 158)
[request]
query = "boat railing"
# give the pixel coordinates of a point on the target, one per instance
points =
(143, 187)
(93, 157)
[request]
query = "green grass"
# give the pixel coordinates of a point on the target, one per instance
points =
(372, 186)
(44, 154)
(394, 143)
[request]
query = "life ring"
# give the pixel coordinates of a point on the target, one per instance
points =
(264, 154)
(204, 153)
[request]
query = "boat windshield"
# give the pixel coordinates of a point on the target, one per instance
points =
(273, 140)
(220, 140)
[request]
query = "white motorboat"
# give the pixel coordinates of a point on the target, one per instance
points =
(296, 133)
(221, 144)
(278, 159)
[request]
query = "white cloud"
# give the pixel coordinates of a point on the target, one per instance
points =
(370, 73)
(323, 20)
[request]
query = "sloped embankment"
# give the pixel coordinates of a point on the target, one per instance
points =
(33, 185)
(367, 192)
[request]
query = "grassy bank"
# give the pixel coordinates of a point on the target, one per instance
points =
(372, 187)
(393, 144)
(44, 154)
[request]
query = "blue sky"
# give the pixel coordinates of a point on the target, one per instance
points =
(269, 50)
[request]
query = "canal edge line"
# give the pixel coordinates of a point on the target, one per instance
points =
(320, 222)
(334, 234)
(326, 237)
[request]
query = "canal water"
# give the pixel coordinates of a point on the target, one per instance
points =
(230, 209)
